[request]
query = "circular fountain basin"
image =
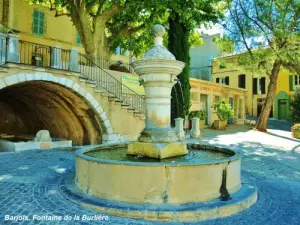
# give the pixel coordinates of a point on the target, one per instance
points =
(204, 174)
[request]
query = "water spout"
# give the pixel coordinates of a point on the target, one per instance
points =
(176, 97)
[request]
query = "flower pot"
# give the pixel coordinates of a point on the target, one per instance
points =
(296, 131)
(201, 124)
(220, 124)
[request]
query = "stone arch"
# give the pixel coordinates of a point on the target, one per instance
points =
(56, 85)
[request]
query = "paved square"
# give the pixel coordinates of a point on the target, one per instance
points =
(29, 181)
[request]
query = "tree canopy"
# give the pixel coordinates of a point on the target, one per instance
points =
(267, 34)
(100, 23)
(104, 25)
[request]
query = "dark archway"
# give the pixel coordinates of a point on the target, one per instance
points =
(28, 107)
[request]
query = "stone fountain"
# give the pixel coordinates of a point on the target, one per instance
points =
(157, 178)
(158, 70)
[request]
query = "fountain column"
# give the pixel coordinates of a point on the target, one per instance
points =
(158, 70)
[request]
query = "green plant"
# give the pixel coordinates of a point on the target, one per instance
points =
(295, 104)
(223, 110)
(201, 114)
(193, 114)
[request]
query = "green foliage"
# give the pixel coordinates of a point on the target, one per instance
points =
(195, 39)
(264, 31)
(201, 114)
(225, 44)
(178, 44)
(223, 110)
(295, 104)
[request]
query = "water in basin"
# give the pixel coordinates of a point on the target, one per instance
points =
(194, 156)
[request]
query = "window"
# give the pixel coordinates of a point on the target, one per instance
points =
(223, 80)
(38, 23)
(227, 80)
(254, 86)
(242, 81)
(78, 41)
(262, 84)
(296, 81)
(259, 86)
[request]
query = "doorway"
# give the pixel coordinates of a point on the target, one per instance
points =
(282, 109)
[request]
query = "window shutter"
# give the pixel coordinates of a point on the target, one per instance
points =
(291, 82)
(38, 22)
(244, 81)
(42, 23)
(218, 80)
(254, 85)
(227, 80)
(262, 82)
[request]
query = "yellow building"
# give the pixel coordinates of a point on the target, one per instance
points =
(46, 83)
(205, 93)
(37, 24)
(257, 87)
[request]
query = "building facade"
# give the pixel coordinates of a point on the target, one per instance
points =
(201, 57)
(256, 87)
(205, 93)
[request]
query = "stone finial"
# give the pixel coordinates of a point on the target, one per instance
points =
(158, 51)
(158, 30)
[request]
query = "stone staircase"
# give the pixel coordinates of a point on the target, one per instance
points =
(106, 94)
(108, 86)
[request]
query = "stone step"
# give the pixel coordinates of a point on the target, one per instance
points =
(82, 80)
(92, 85)
(118, 102)
(132, 110)
(107, 94)
(100, 90)
(112, 98)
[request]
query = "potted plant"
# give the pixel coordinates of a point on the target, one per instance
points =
(201, 114)
(191, 115)
(224, 112)
(202, 117)
(296, 131)
(295, 109)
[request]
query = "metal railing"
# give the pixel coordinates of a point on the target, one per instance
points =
(108, 82)
(57, 58)
(106, 63)
(43, 56)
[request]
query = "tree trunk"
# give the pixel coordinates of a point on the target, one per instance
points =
(96, 46)
(268, 104)
(94, 42)
(178, 44)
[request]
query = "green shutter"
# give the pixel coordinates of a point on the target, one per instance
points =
(38, 22)
(291, 80)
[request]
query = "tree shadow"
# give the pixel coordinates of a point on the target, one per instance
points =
(280, 136)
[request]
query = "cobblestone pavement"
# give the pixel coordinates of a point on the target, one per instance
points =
(29, 181)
